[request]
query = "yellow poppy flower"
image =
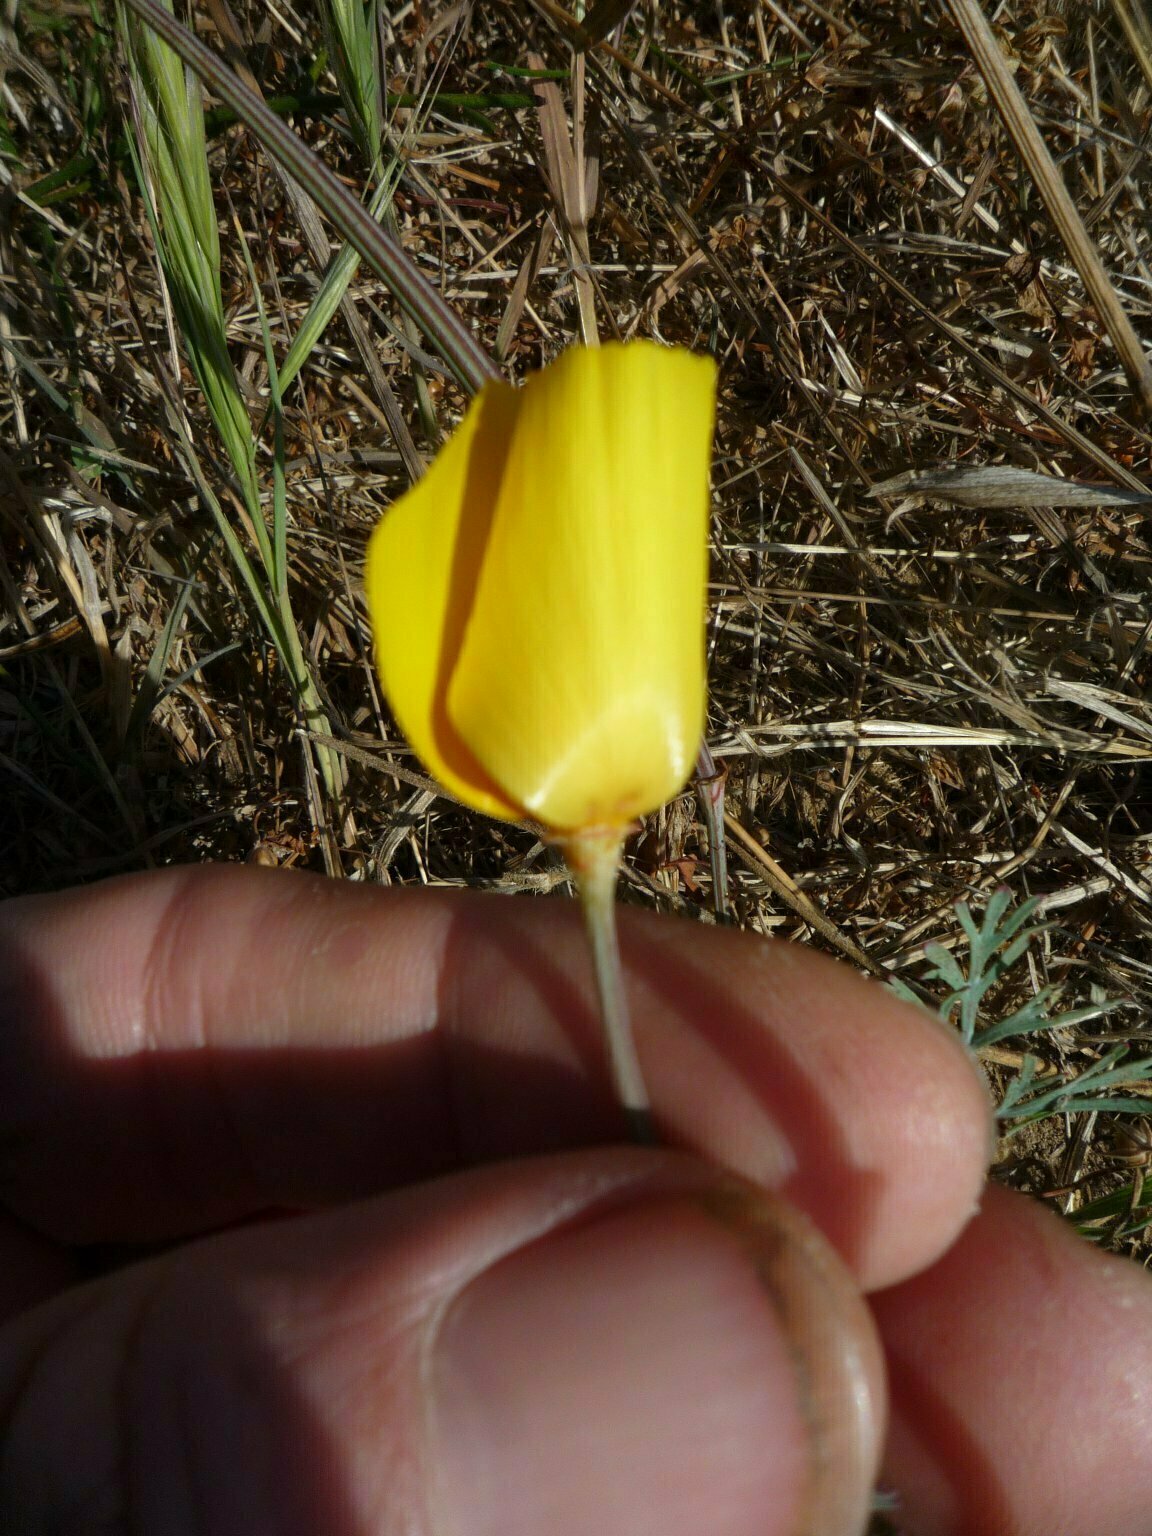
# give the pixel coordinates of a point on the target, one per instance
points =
(538, 597)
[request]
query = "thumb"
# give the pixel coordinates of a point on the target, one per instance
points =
(606, 1342)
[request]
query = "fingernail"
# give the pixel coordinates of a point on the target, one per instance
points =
(629, 1375)
(835, 1348)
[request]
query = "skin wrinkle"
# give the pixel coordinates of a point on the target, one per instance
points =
(483, 940)
(169, 967)
(327, 1333)
(162, 963)
(129, 1368)
(408, 1472)
(980, 1507)
(450, 1009)
(219, 1415)
(28, 999)
(440, 1021)
(78, 1308)
(23, 1380)
(434, 1499)
(436, 938)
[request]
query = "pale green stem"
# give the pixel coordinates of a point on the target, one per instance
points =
(594, 858)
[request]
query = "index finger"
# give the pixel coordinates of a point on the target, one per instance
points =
(186, 1048)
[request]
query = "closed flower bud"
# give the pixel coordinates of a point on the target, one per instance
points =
(538, 597)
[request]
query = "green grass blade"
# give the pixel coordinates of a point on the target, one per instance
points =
(328, 296)
(460, 349)
(169, 153)
(353, 31)
(291, 650)
(278, 548)
(150, 685)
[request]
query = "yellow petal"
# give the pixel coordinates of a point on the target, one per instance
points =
(423, 563)
(579, 683)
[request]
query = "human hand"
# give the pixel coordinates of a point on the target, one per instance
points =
(364, 1255)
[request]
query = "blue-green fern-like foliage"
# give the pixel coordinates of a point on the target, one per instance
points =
(995, 942)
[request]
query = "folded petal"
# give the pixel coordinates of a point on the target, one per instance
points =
(579, 682)
(423, 563)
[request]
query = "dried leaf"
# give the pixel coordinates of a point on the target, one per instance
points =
(1004, 485)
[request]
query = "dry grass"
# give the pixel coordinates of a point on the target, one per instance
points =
(916, 701)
